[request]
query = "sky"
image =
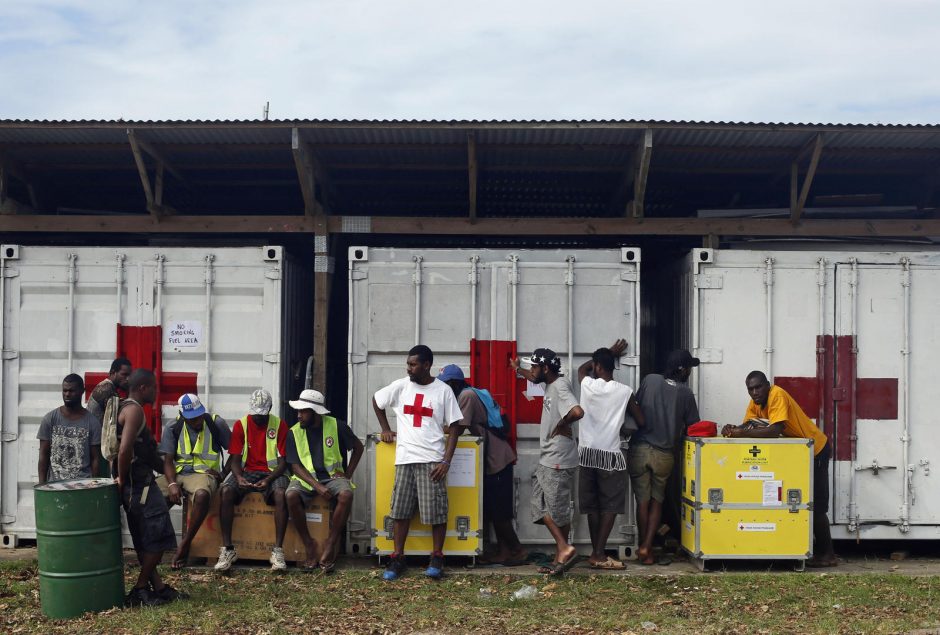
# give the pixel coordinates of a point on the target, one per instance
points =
(824, 61)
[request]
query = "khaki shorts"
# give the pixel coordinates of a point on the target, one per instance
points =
(336, 486)
(649, 470)
(189, 484)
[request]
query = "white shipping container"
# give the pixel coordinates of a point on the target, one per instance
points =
(573, 301)
(852, 336)
(60, 311)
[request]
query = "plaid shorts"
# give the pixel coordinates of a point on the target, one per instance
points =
(414, 488)
(551, 495)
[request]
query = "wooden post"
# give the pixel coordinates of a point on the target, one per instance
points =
(142, 171)
(472, 170)
(323, 278)
(794, 186)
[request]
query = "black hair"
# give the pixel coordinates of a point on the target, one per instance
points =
(119, 363)
(604, 358)
(756, 374)
(140, 378)
(76, 380)
(423, 353)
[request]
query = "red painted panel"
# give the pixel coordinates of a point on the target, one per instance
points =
(805, 390)
(91, 382)
(845, 365)
(876, 398)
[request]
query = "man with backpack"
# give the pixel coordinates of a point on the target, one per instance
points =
(132, 449)
(482, 415)
(192, 451)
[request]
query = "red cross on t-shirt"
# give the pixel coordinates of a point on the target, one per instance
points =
(418, 410)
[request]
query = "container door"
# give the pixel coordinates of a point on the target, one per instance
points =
(868, 362)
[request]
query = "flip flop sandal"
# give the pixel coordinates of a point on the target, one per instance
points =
(548, 569)
(328, 567)
(308, 567)
(609, 565)
(562, 567)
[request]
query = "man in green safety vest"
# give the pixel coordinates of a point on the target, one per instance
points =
(317, 449)
(258, 465)
(192, 450)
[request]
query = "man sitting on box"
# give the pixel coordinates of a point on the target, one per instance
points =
(192, 452)
(258, 465)
(317, 449)
(772, 413)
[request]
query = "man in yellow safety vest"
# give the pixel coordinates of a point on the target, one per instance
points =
(317, 450)
(192, 452)
(258, 465)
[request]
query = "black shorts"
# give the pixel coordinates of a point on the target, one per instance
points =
(497, 495)
(149, 521)
(230, 482)
(602, 491)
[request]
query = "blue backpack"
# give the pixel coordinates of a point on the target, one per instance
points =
(494, 416)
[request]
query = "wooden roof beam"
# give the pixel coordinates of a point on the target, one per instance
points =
(308, 183)
(641, 162)
(461, 225)
(472, 175)
(797, 206)
(153, 192)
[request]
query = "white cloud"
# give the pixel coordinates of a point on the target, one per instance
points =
(863, 61)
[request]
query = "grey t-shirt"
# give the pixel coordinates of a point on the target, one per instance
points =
(668, 407)
(558, 452)
(70, 444)
(169, 443)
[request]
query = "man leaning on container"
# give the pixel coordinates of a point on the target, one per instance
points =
(424, 406)
(784, 417)
(192, 450)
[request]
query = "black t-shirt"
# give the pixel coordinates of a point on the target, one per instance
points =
(315, 440)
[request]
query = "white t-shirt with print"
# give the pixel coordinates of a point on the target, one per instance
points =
(421, 413)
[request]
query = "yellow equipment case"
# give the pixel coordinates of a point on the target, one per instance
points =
(465, 502)
(747, 499)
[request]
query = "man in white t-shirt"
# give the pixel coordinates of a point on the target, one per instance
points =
(602, 471)
(424, 406)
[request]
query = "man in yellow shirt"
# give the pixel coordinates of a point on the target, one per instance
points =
(786, 418)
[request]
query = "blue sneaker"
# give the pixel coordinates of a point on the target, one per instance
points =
(394, 568)
(435, 569)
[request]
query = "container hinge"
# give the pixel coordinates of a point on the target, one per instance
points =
(272, 358)
(8, 354)
(273, 274)
(709, 355)
(463, 527)
(357, 358)
(10, 273)
(6, 519)
(358, 274)
(388, 525)
(704, 281)
(629, 276)
(10, 436)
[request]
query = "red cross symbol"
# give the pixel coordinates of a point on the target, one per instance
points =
(143, 346)
(828, 397)
(418, 410)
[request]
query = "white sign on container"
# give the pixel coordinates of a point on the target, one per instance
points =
(184, 334)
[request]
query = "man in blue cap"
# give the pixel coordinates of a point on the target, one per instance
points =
(497, 474)
(192, 454)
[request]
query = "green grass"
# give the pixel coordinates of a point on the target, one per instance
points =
(255, 601)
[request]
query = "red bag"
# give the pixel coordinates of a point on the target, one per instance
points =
(703, 429)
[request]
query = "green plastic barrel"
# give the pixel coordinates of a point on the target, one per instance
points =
(78, 535)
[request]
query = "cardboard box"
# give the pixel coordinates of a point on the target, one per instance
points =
(253, 530)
